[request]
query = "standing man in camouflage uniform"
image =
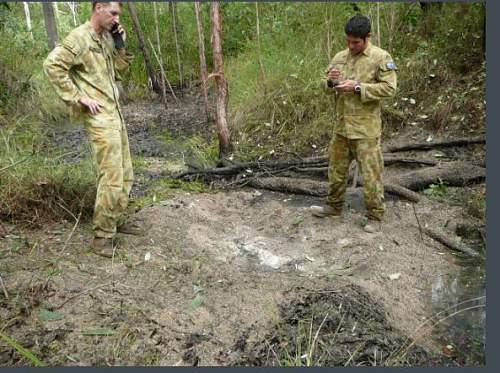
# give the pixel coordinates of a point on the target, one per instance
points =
(359, 77)
(84, 69)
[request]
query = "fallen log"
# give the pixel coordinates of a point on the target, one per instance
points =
(451, 173)
(449, 243)
(435, 144)
(316, 164)
(317, 188)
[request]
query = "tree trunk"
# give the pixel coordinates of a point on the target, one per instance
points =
(222, 90)
(50, 24)
(142, 45)
(258, 42)
(173, 6)
(160, 56)
(28, 18)
(56, 11)
(73, 6)
(203, 62)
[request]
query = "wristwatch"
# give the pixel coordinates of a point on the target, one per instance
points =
(357, 88)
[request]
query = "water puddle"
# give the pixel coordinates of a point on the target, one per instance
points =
(458, 300)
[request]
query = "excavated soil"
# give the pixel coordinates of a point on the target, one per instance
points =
(236, 277)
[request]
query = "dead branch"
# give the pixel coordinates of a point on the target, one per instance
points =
(436, 144)
(449, 243)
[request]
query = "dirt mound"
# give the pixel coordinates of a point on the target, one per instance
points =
(344, 327)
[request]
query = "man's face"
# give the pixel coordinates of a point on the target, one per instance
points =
(108, 14)
(356, 45)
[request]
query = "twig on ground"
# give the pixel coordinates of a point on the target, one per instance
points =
(418, 222)
(79, 294)
(71, 233)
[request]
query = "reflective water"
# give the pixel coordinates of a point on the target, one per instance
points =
(458, 300)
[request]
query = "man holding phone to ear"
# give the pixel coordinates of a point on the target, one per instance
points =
(359, 77)
(84, 69)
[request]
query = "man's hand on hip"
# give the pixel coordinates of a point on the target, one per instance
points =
(346, 86)
(91, 105)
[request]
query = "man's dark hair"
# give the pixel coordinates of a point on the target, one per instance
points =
(94, 3)
(358, 26)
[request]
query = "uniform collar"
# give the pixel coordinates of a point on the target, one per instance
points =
(93, 32)
(368, 49)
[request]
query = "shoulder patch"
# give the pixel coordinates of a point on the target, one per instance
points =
(391, 65)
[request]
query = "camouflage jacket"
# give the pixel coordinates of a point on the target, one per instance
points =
(358, 114)
(87, 65)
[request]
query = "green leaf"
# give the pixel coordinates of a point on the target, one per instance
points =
(27, 354)
(99, 332)
(197, 302)
(47, 315)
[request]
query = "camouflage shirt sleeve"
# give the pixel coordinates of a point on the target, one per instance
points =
(57, 69)
(122, 61)
(386, 81)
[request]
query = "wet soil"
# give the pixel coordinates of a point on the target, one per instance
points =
(237, 277)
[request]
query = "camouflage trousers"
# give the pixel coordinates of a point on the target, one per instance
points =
(368, 154)
(111, 153)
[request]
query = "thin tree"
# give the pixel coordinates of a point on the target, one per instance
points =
(73, 7)
(27, 15)
(203, 62)
(142, 45)
(160, 56)
(258, 41)
(173, 7)
(50, 24)
(222, 90)
(56, 11)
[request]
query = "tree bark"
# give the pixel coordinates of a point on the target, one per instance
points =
(50, 24)
(27, 14)
(222, 89)
(142, 45)
(203, 62)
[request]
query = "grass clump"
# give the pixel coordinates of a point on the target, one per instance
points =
(37, 185)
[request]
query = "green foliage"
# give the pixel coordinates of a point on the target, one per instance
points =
(25, 353)
(437, 189)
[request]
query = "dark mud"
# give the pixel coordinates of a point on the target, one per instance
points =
(147, 123)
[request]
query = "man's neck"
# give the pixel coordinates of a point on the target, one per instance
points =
(98, 29)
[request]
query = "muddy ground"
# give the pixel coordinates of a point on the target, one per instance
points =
(237, 277)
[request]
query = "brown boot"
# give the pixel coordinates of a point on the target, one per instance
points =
(103, 246)
(324, 211)
(133, 228)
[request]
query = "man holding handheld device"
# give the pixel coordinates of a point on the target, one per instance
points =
(358, 78)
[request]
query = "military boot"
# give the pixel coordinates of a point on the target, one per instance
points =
(132, 228)
(323, 211)
(103, 246)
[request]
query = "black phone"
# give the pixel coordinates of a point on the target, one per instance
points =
(117, 37)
